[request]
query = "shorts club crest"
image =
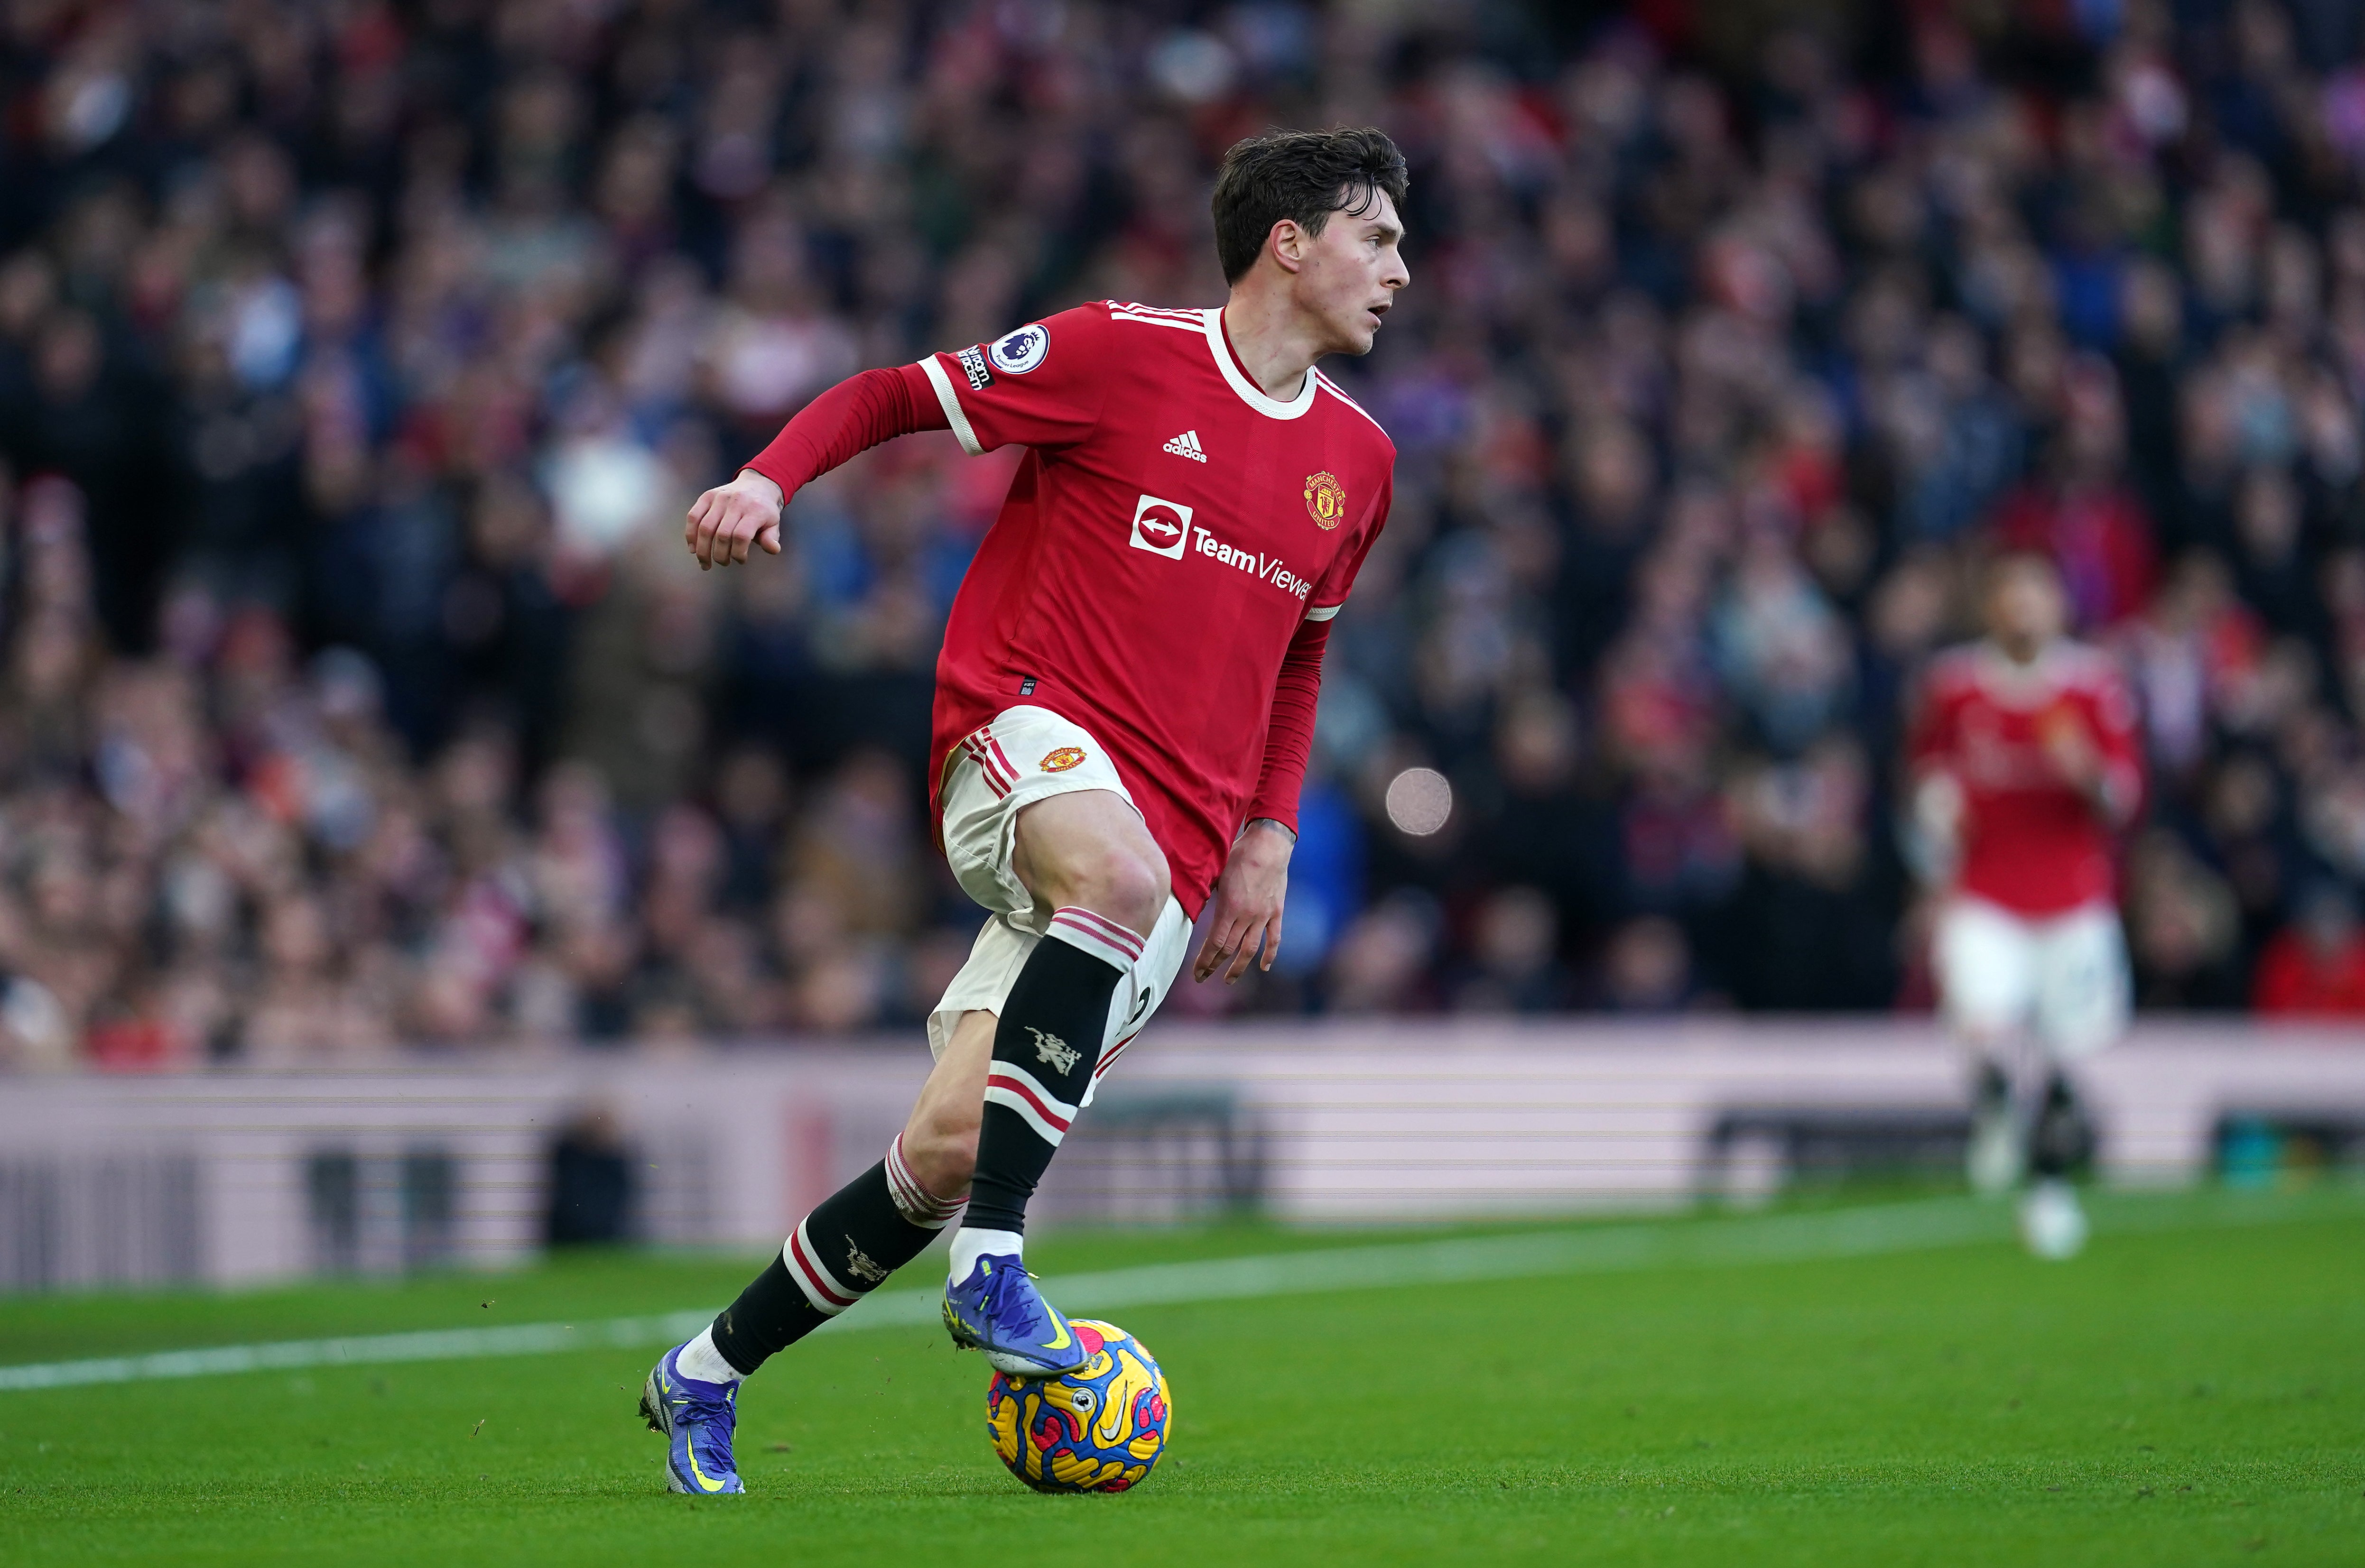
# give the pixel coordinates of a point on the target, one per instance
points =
(1062, 758)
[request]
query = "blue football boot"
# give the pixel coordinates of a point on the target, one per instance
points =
(998, 1310)
(697, 1418)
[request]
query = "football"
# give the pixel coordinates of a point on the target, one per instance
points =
(1098, 1428)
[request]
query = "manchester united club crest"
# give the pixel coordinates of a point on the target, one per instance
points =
(1063, 759)
(1325, 501)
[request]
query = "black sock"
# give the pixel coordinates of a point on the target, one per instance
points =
(1990, 1089)
(1045, 1048)
(2062, 1141)
(853, 1240)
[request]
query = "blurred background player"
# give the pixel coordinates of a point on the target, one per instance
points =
(1124, 705)
(2025, 765)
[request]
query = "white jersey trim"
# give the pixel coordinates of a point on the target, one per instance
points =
(1138, 308)
(1325, 611)
(1156, 321)
(1253, 395)
(1157, 316)
(1332, 387)
(954, 414)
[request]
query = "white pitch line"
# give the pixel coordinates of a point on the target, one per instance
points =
(1792, 1237)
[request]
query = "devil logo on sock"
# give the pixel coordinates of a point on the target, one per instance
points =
(862, 1266)
(1054, 1051)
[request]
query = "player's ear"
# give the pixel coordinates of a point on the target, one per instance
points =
(1288, 244)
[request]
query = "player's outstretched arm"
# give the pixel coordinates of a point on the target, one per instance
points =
(1244, 922)
(854, 416)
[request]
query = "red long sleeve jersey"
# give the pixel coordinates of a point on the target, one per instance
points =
(1172, 537)
(2030, 842)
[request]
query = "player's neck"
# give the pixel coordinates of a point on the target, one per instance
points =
(2021, 655)
(1273, 342)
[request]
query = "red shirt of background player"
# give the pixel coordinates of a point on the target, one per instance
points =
(2028, 839)
(2295, 978)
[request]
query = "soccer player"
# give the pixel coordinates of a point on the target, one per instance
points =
(2025, 765)
(1123, 705)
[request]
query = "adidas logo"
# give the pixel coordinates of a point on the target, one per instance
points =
(1186, 445)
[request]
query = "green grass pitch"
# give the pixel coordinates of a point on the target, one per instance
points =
(2193, 1390)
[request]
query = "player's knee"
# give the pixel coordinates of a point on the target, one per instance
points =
(1127, 883)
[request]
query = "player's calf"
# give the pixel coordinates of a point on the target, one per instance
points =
(2060, 1144)
(2061, 1141)
(1045, 1045)
(939, 1141)
(838, 1254)
(1995, 1156)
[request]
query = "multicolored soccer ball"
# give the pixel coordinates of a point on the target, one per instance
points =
(1098, 1428)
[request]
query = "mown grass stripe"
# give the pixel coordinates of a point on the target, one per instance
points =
(1770, 1239)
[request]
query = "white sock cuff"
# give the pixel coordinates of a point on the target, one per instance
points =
(915, 1202)
(972, 1242)
(1119, 946)
(701, 1359)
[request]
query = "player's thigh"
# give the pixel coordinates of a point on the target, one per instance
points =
(2083, 993)
(1987, 968)
(1090, 846)
(1034, 790)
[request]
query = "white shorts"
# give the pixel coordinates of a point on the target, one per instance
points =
(2062, 977)
(1026, 755)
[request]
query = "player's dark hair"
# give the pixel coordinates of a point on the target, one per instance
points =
(1304, 175)
(2009, 558)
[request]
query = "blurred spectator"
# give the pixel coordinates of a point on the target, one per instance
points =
(1381, 963)
(1808, 927)
(2315, 966)
(2183, 927)
(591, 1197)
(1647, 968)
(35, 1033)
(1516, 952)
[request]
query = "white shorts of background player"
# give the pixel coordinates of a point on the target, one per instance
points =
(998, 770)
(2062, 979)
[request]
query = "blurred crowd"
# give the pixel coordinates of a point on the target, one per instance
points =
(358, 361)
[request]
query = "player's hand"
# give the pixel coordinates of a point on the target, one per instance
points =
(2072, 752)
(729, 519)
(1246, 910)
(1935, 840)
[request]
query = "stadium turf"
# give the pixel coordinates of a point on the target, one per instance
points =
(2190, 1391)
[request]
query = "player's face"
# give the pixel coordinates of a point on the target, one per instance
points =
(1351, 275)
(2026, 608)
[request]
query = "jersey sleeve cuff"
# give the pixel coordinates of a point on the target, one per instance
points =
(954, 415)
(1272, 810)
(763, 463)
(1323, 611)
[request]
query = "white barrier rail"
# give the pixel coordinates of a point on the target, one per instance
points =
(243, 1175)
